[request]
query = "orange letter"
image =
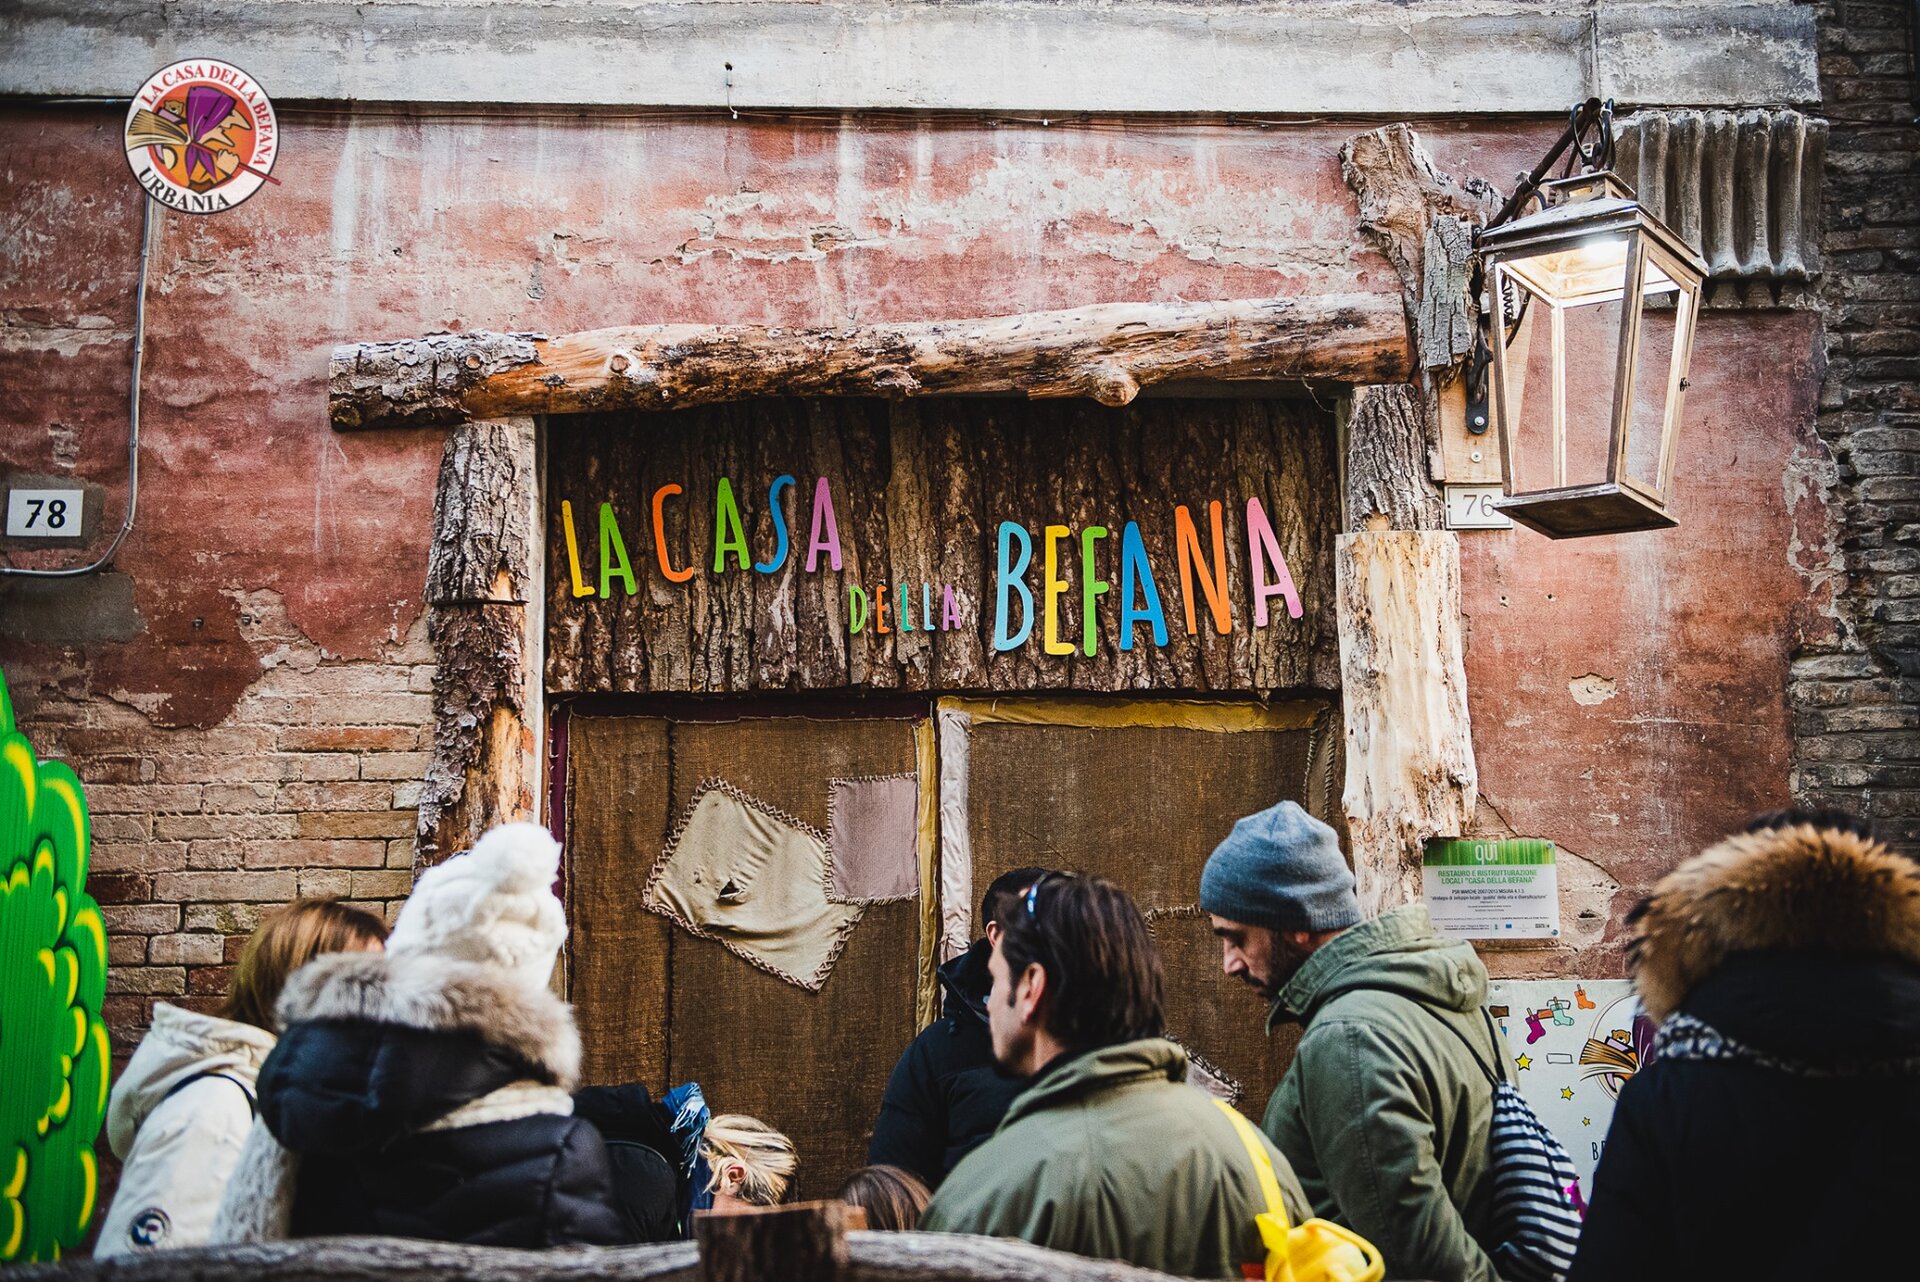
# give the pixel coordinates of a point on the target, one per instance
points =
(660, 536)
(1214, 584)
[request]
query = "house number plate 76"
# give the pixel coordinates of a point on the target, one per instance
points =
(1470, 507)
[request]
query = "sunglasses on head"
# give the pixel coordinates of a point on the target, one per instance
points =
(1033, 894)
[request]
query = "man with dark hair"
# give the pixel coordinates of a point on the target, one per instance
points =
(1828, 819)
(946, 1096)
(1386, 1108)
(1108, 1153)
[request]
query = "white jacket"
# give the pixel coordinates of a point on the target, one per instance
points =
(179, 1149)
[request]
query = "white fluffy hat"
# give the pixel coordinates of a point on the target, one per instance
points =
(493, 905)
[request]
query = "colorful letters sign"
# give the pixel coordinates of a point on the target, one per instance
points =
(1174, 545)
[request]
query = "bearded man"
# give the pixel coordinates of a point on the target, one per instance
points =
(1385, 1109)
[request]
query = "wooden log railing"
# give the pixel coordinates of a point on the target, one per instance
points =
(870, 1257)
(1108, 351)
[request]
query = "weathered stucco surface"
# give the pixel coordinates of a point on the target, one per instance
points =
(1628, 694)
(390, 224)
(1435, 57)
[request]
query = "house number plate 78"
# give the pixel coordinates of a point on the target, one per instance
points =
(44, 514)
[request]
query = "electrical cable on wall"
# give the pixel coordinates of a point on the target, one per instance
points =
(148, 227)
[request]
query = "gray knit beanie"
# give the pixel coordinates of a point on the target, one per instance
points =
(1281, 869)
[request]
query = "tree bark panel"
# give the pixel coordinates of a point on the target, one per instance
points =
(1410, 767)
(486, 513)
(484, 769)
(919, 490)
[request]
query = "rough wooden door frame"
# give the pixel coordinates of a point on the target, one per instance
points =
(1410, 765)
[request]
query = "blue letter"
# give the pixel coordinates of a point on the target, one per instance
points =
(779, 526)
(1012, 577)
(1133, 558)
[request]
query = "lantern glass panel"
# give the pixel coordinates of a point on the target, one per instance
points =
(1560, 368)
(1653, 409)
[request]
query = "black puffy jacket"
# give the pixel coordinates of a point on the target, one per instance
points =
(647, 1185)
(1773, 1134)
(427, 1099)
(946, 1096)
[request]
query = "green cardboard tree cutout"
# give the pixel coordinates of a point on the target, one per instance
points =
(53, 974)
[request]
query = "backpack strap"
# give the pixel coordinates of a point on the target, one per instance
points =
(253, 1106)
(1262, 1164)
(1493, 1040)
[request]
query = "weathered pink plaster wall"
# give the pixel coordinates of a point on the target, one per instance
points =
(1628, 694)
(389, 225)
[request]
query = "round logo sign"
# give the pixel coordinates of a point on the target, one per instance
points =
(201, 136)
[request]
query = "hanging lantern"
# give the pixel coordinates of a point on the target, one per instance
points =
(1592, 303)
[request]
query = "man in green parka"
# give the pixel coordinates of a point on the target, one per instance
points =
(1108, 1153)
(1384, 1112)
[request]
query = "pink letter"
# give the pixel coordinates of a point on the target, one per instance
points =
(823, 519)
(1262, 547)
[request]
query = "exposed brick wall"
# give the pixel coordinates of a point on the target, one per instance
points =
(308, 787)
(1856, 697)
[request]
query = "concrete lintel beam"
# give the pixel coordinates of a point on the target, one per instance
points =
(1351, 57)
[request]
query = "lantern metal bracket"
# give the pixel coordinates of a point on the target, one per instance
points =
(1592, 116)
(1479, 364)
(1589, 134)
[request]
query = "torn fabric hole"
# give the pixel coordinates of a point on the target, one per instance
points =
(744, 873)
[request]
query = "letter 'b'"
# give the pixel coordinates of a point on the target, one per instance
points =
(1011, 578)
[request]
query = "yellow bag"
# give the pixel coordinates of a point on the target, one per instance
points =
(1317, 1251)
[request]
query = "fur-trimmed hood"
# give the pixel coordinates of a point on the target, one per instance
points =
(1795, 889)
(439, 995)
(377, 1047)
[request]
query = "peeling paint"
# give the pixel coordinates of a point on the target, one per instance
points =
(1587, 908)
(1701, 738)
(1592, 689)
(23, 333)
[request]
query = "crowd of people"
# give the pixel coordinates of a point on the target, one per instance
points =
(425, 1083)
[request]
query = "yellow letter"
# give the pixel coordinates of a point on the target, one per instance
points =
(580, 587)
(1056, 587)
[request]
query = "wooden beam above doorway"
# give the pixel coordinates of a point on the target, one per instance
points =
(1108, 352)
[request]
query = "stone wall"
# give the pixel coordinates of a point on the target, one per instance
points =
(1855, 693)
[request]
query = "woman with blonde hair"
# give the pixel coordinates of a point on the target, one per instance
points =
(752, 1164)
(184, 1105)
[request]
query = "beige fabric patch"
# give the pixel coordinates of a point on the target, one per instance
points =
(873, 835)
(753, 878)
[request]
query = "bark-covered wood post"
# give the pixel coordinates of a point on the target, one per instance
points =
(1410, 767)
(805, 1242)
(484, 577)
(871, 1257)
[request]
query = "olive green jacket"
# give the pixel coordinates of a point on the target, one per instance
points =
(1384, 1112)
(1110, 1155)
